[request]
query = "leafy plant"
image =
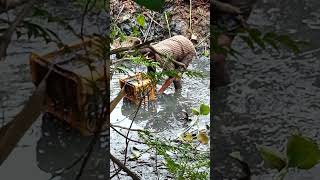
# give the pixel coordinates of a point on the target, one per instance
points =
(253, 36)
(141, 21)
(182, 158)
(301, 153)
(203, 110)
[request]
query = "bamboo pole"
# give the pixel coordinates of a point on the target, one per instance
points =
(14, 131)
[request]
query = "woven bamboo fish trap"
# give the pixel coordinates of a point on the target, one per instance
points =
(138, 88)
(70, 94)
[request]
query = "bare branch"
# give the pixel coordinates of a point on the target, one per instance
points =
(6, 37)
(122, 49)
(124, 168)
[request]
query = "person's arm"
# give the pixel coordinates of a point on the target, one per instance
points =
(166, 84)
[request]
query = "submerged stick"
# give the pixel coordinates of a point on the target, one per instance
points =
(124, 168)
(116, 100)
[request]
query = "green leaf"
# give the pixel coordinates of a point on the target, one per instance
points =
(141, 21)
(195, 111)
(248, 41)
(270, 38)
(287, 41)
(272, 157)
(135, 31)
(155, 5)
(255, 34)
(302, 152)
(204, 109)
(270, 35)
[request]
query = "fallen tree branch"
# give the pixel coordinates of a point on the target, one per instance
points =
(122, 49)
(151, 18)
(124, 168)
(139, 130)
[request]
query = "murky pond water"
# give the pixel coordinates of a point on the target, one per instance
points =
(166, 116)
(271, 95)
(47, 147)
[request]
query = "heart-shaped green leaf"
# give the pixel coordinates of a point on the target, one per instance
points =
(272, 157)
(302, 152)
(204, 109)
(141, 21)
(195, 111)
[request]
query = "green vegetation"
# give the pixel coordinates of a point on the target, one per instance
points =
(182, 157)
(301, 153)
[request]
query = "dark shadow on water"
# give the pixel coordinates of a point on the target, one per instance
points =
(271, 95)
(160, 113)
(60, 146)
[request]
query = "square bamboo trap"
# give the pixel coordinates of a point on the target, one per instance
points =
(138, 88)
(70, 97)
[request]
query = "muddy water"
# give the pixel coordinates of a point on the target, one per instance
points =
(271, 95)
(164, 116)
(48, 146)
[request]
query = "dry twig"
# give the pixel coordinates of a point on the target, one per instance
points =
(7, 35)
